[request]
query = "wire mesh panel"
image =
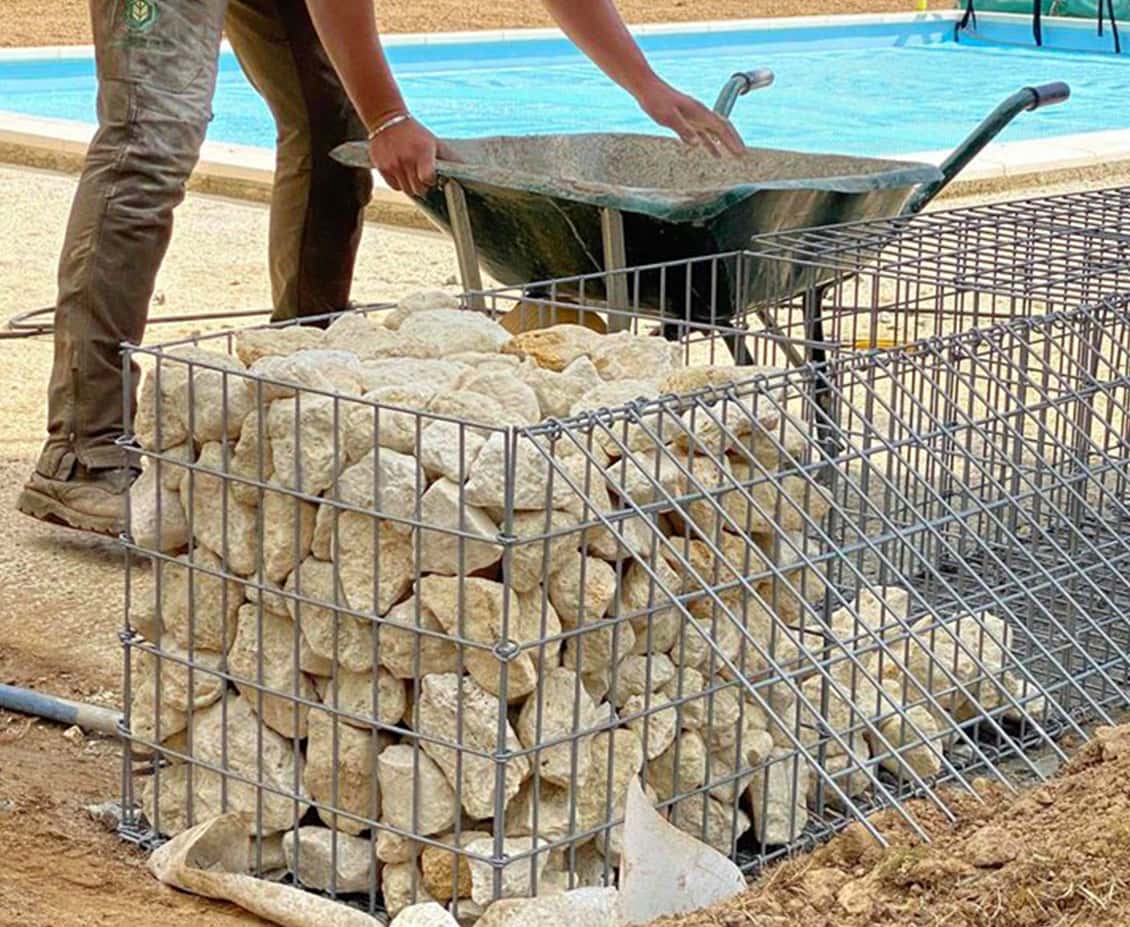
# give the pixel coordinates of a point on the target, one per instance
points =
(426, 597)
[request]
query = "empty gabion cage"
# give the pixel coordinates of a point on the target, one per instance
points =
(419, 598)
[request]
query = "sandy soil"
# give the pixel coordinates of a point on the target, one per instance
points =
(67, 22)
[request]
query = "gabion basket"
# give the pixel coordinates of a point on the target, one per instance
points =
(419, 599)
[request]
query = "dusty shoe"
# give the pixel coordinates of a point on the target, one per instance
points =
(92, 500)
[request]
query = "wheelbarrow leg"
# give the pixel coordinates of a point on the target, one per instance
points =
(615, 259)
(465, 250)
(823, 397)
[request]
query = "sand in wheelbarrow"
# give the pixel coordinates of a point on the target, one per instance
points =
(1058, 854)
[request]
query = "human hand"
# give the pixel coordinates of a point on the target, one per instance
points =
(690, 120)
(405, 155)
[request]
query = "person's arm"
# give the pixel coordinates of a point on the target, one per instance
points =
(596, 27)
(405, 153)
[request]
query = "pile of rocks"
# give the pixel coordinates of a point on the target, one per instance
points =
(409, 638)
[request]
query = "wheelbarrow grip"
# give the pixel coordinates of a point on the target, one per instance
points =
(1049, 94)
(739, 85)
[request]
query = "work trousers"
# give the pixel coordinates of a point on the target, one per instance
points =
(157, 64)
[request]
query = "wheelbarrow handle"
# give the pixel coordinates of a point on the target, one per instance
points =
(738, 86)
(1029, 98)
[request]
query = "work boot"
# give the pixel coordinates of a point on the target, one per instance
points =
(91, 500)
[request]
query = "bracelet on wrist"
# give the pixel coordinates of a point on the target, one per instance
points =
(388, 124)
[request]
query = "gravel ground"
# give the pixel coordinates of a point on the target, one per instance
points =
(66, 22)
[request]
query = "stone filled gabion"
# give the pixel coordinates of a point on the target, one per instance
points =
(405, 630)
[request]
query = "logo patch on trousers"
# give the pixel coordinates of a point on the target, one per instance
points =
(140, 15)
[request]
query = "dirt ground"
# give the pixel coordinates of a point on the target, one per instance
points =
(67, 22)
(1055, 856)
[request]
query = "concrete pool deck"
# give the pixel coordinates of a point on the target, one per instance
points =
(246, 172)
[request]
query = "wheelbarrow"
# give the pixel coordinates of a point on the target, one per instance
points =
(547, 207)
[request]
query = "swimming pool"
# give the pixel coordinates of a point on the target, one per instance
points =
(867, 87)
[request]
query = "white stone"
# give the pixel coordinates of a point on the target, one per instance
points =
(582, 590)
(328, 861)
(715, 823)
(582, 907)
(375, 575)
(627, 356)
(424, 915)
(251, 460)
(546, 543)
(664, 871)
(420, 302)
(517, 878)
(288, 530)
(358, 334)
(638, 674)
(559, 708)
(556, 392)
(536, 483)
(777, 795)
(687, 755)
(214, 399)
(251, 344)
(308, 421)
(181, 690)
(229, 736)
(415, 795)
(486, 361)
(453, 331)
(207, 620)
(472, 409)
(406, 652)
(353, 694)
(556, 347)
(438, 866)
(220, 521)
(401, 887)
(157, 520)
(343, 756)
(448, 449)
(446, 510)
(269, 646)
(444, 701)
(154, 409)
(434, 374)
(519, 402)
(333, 635)
(654, 719)
(642, 597)
(324, 371)
(390, 417)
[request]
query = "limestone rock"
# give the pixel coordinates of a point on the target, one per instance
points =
(221, 522)
(207, 621)
(215, 397)
(157, 520)
(328, 861)
(686, 757)
(385, 483)
(288, 530)
(474, 409)
(556, 392)
(424, 915)
(655, 719)
(554, 348)
(172, 469)
(617, 759)
(360, 335)
(777, 795)
(439, 866)
(664, 871)
(582, 590)
(915, 744)
(518, 878)
(393, 848)
(757, 503)
(448, 449)
(453, 331)
(638, 675)
(353, 695)
(228, 735)
(308, 421)
(628, 535)
(251, 460)
(692, 379)
(274, 640)
(656, 623)
(446, 700)
(420, 302)
(152, 718)
(180, 690)
(486, 361)
(157, 405)
(519, 402)
(164, 799)
(324, 371)
(337, 754)
(732, 780)
(594, 652)
(389, 417)
(715, 823)
(536, 483)
(416, 796)
(546, 544)
(330, 633)
(432, 373)
(406, 652)
(635, 436)
(545, 810)
(402, 887)
(627, 356)
(582, 907)
(559, 708)
(374, 576)
(446, 509)
(474, 609)
(686, 689)
(251, 344)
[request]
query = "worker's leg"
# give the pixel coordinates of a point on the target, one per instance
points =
(318, 205)
(156, 68)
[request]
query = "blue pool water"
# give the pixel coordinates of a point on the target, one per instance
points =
(856, 90)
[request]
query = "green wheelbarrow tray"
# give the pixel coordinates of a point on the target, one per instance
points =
(537, 208)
